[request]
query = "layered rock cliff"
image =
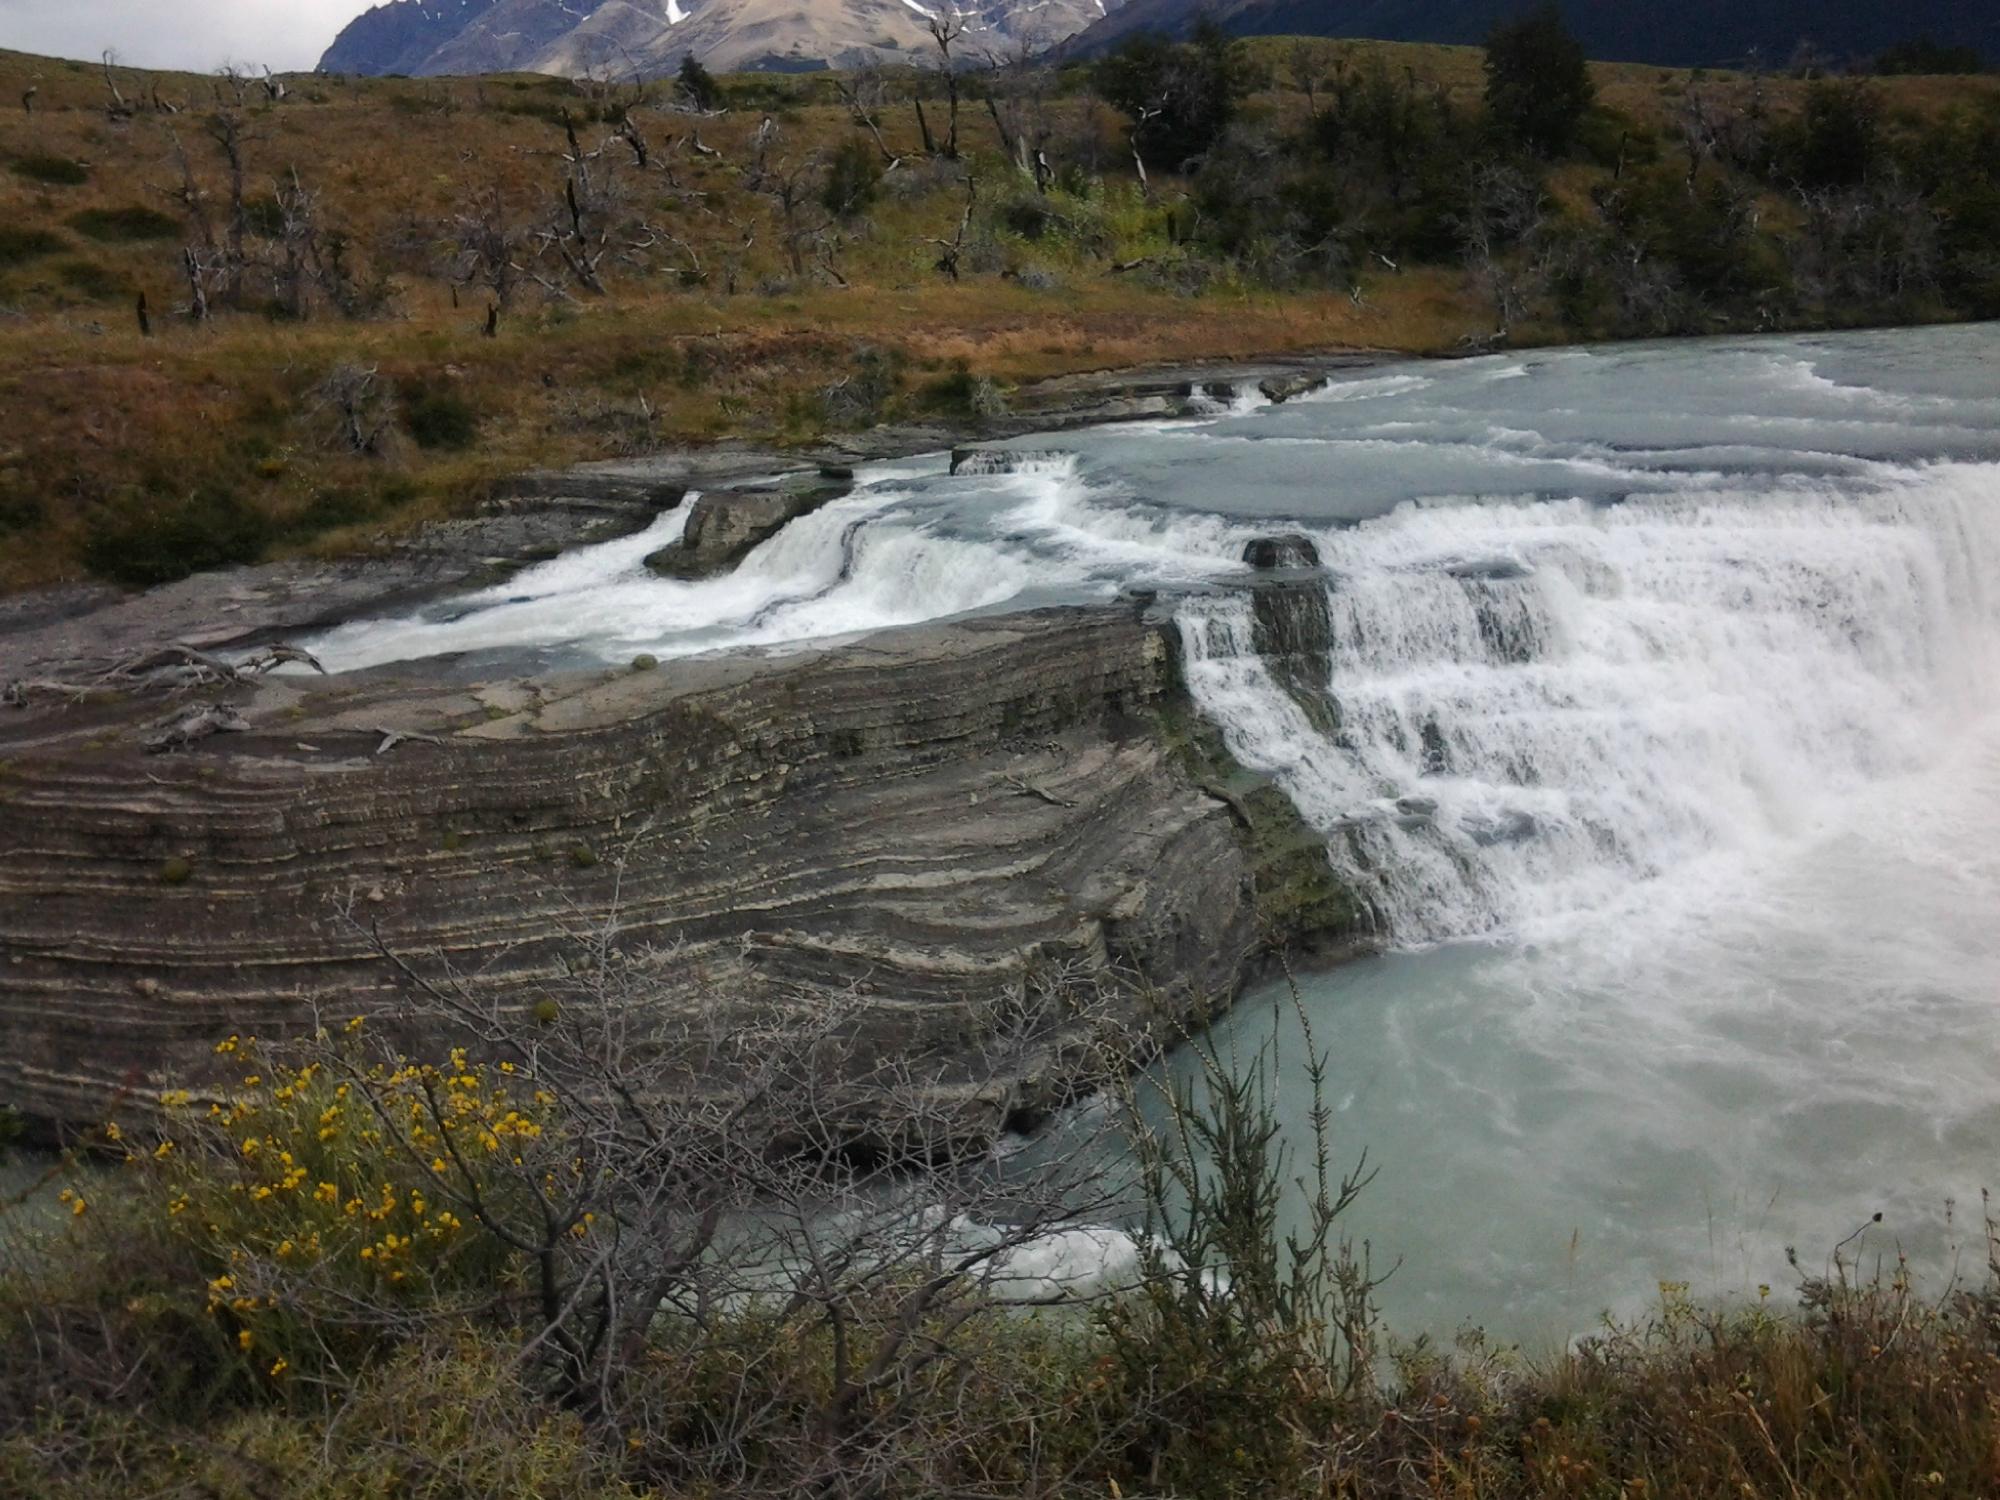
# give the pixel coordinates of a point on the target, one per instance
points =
(928, 817)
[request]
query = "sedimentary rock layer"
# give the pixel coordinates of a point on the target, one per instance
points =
(928, 815)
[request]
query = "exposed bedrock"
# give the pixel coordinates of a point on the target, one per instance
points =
(928, 816)
(1290, 550)
(724, 526)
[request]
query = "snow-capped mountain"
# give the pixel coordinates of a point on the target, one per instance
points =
(652, 36)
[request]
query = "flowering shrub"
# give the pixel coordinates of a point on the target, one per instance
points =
(334, 1201)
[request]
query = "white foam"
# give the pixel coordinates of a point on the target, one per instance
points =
(1675, 679)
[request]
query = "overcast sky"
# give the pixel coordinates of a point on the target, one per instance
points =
(193, 34)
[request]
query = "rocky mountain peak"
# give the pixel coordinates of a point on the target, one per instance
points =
(652, 36)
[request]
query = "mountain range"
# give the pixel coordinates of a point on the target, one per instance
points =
(652, 36)
(1687, 33)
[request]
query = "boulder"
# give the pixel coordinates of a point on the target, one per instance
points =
(1282, 388)
(1288, 551)
(724, 525)
(1000, 460)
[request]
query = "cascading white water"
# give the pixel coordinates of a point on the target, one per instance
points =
(1540, 702)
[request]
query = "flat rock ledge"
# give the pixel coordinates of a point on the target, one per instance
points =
(928, 818)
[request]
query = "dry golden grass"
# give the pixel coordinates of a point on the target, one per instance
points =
(95, 417)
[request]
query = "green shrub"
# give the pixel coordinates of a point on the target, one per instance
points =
(1180, 96)
(961, 393)
(20, 509)
(699, 84)
(142, 540)
(337, 507)
(91, 281)
(19, 246)
(853, 178)
(53, 171)
(131, 224)
(1538, 86)
(439, 419)
(265, 216)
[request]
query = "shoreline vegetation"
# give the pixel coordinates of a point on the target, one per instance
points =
(255, 318)
(356, 1273)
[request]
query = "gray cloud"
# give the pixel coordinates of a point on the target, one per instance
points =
(194, 34)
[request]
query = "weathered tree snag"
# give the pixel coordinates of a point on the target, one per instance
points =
(945, 30)
(952, 249)
(117, 108)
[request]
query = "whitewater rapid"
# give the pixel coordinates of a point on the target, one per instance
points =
(1539, 705)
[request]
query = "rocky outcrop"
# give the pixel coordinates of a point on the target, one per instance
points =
(1291, 550)
(724, 525)
(1283, 388)
(931, 816)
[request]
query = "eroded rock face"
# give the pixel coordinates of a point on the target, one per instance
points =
(931, 815)
(725, 525)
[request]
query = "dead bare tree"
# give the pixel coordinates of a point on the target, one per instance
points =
(1140, 119)
(1309, 62)
(225, 129)
(484, 245)
(235, 82)
(578, 232)
(1015, 91)
(950, 251)
(361, 407)
(117, 108)
(865, 93)
(629, 132)
(311, 257)
(808, 229)
(1503, 209)
(945, 29)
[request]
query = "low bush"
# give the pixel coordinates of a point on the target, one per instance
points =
(438, 418)
(142, 539)
(131, 224)
(19, 246)
(91, 281)
(51, 171)
(959, 392)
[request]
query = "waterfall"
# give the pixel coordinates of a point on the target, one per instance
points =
(1506, 713)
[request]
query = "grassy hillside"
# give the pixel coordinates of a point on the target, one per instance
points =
(343, 383)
